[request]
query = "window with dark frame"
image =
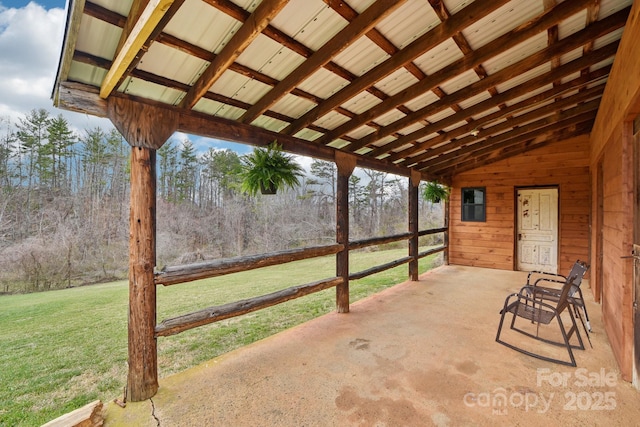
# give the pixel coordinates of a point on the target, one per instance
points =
(474, 204)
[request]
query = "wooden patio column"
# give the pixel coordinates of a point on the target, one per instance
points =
(414, 182)
(445, 254)
(346, 164)
(146, 129)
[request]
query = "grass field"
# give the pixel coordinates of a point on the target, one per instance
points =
(62, 349)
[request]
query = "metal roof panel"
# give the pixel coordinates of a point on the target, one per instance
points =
(408, 22)
(171, 63)
(202, 25)
(361, 56)
(98, 38)
(323, 83)
(396, 82)
(501, 21)
(439, 57)
(268, 57)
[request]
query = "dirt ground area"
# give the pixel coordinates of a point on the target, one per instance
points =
(418, 354)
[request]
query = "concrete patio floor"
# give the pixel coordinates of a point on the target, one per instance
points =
(418, 354)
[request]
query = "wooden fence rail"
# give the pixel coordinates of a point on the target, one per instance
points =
(373, 241)
(214, 314)
(379, 268)
(432, 231)
(432, 251)
(203, 270)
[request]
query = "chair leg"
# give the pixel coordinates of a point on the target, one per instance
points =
(565, 337)
(584, 326)
(584, 309)
(566, 340)
(502, 314)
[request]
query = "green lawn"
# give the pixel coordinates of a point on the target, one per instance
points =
(62, 349)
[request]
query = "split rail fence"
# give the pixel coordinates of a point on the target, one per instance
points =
(203, 270)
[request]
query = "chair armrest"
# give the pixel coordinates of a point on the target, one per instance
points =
(549, 280)
(522, 295)
(545, 275)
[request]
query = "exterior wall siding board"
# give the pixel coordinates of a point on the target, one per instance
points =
(492, 243)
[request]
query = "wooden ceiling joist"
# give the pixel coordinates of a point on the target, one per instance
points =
(439, 95)
(565, 119)
(566, 45)
(535, 141)
(513, 93)
(343, 39)
(485, 128)
(249, 30)
(439, 34)
(138, 36)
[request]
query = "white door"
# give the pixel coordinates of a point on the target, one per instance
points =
(537, 230)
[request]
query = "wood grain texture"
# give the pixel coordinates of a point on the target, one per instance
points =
(142, 125)
(492, 243)
(142, 380)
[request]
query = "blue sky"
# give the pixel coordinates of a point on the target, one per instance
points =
(50, 4)
(29, 55)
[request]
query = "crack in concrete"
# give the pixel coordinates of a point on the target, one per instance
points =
(153, 412)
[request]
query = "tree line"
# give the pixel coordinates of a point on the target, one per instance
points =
(64, 205)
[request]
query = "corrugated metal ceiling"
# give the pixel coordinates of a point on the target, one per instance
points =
(379, 95)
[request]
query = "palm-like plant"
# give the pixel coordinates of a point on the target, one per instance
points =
(267, 169)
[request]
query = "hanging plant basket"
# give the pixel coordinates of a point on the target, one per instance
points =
(435, 192)
(268, 189)
(267, 169)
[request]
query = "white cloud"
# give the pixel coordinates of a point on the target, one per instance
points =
(30, 45)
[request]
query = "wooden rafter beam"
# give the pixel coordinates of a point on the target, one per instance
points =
(463, 44)
(143, 28)
(486, 52)
(444, 148)
(574, 41)
(552, 35)
(502, 125)
(85, 98)
(483, 106)
(512, 127)
(537, 141)
(342, 40)
(85, 58)
(561, 121)
(249, 30)
(555, 122)
(137, 7)
(439, 34)
(592, 16)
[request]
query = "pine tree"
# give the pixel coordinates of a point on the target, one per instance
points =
(187, 173)
(32, 134)
(60, 143)
(167, 170)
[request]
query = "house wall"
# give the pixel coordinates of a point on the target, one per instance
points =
(611, 156)
(492, 243)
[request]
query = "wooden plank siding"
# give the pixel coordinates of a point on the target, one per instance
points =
(617, 240)
(491, 244)
(611, 147)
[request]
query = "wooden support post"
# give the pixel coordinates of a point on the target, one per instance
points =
(142, 381)
(146, 129)
(346, 164)
(414, 182)
(445, 254)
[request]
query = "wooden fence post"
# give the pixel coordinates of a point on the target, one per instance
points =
(146, 128)
(414, 182)
(345, 164)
